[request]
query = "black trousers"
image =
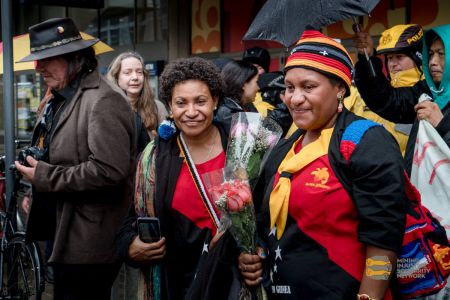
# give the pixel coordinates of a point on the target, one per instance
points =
(84, 282)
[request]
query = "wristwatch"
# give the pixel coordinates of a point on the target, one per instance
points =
(364, 297)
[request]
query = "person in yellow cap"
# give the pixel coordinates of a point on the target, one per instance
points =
(328, 213)
(399, 104)
(401, 46)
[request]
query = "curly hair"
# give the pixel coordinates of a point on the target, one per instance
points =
(235, 74)
(145, 105)
(192, 68)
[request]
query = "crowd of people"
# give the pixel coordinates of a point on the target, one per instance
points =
(116, 156)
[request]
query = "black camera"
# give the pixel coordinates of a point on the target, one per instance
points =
(34, 152)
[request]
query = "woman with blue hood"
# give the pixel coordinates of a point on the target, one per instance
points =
(400, 105)
(436, 75)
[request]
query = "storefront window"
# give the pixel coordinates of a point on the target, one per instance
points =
(114, 24)
(86, 20)
(151, 20)
(28, 97)
(117, 22)
(48, 12)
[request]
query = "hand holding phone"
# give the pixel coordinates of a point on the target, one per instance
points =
(148, 229)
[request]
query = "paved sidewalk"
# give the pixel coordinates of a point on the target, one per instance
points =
(48, 292)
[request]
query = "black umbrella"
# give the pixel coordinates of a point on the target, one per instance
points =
(284, 21)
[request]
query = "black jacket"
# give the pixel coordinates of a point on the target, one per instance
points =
(225, 112)
(168, 165)
(384, 183)
(142, 135)
(229, 106)
(376, 188)
(396, 104)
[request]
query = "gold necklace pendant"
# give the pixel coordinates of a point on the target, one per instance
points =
(212, 146)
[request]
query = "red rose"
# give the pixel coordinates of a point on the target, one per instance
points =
(234, 202)
(245, 194)
(216, 192)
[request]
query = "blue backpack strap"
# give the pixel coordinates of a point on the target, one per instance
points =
(353, 135)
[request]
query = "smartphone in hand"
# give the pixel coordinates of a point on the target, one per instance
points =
(148, 229)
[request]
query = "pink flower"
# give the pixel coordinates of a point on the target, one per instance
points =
(216, 192)
(227, 186)
(237, 194)
(272, 139)
(234, 202)
(244, 192)
(239, 129)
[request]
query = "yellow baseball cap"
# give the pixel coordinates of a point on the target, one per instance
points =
(400, 38)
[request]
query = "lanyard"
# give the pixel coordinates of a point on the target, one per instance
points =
(198, 183)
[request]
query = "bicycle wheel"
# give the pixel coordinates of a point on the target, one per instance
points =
(22, 273)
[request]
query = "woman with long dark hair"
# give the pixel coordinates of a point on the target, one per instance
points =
(241, 86)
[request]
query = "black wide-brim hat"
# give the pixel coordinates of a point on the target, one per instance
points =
(55, 37)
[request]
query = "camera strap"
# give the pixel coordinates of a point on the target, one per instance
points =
(198, 182)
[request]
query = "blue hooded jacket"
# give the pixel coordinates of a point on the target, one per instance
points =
(441, 93)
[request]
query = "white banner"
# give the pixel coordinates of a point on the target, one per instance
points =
(431, 172)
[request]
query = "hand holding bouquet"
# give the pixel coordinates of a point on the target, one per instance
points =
(229, 189)
(250, 142)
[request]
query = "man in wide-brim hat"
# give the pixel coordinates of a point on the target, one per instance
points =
(82, 181)
(55, 37)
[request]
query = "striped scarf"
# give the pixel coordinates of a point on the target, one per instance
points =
(149, 286)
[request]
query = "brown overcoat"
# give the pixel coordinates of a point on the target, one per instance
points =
(89, 175)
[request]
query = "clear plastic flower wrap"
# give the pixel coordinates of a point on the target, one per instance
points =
(230, 191)
(250, 142)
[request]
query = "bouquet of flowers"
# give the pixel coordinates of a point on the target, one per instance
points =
(250, 142)
(230, 190)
